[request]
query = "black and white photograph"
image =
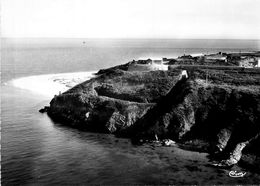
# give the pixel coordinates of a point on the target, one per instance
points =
(130, 92)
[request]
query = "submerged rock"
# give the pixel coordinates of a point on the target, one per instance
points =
(44, 109)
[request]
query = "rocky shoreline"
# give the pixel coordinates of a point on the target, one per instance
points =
(216, 110)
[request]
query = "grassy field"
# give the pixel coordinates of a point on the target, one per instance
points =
(224, 74)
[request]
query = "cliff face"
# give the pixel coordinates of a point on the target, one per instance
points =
(225, 115)
(96, 113)
(113, 101)
(220, 107)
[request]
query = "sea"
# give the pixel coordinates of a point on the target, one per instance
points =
(37, 151)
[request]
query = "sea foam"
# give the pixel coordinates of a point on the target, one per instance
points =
(52, 84)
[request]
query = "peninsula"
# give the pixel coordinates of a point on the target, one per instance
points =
(206, 103)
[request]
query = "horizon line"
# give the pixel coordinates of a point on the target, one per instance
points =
(125, 38)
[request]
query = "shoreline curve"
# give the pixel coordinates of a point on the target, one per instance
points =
(52, 84)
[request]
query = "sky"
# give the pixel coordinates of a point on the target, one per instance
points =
(193, 19)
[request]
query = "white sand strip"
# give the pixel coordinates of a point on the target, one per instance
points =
(52, 84)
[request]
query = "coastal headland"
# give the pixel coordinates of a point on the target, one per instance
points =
(209, 103)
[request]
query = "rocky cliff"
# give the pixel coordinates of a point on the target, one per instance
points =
(219, 107)
(113, 100)
(225, 117)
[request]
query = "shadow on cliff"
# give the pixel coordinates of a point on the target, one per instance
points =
(224, 118)
(216, 111)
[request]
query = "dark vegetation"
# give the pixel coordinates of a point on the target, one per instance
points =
(232, 76)
(114, 100)
(123, 67)
(145, 87)
(217, 109)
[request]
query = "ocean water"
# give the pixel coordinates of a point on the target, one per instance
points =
(35, 150)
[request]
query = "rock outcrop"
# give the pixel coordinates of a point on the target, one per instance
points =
(220, 107)
(113, 101)
(223, 114)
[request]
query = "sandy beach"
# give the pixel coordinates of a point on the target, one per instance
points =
(52, 84)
